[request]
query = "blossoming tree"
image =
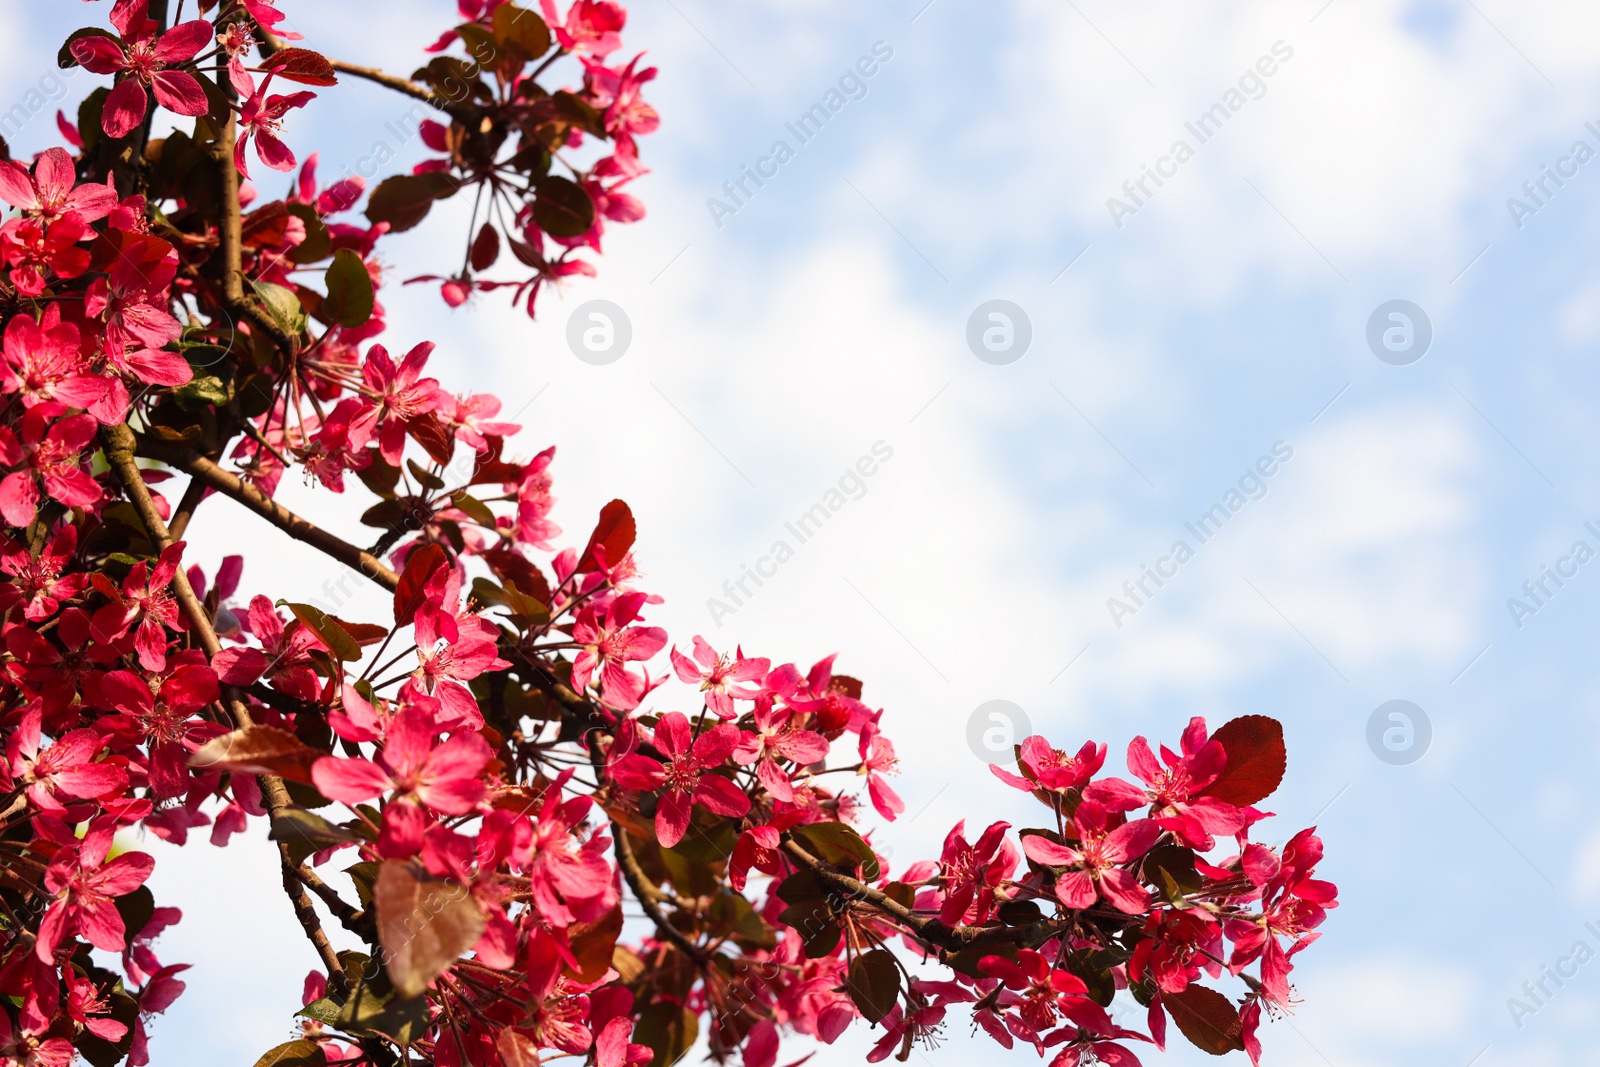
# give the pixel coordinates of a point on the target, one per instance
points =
(470, 789)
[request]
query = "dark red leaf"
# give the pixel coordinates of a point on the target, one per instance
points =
(1207, 1018)
(301, 65)
(257, 750)
(434, 437)
(562, 208)
(485, 247)
(511, 566)
(615, 531)
(1256, 760)
(420, 566)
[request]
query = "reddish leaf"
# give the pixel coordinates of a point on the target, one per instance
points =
(301, 65)
(365, 633)
(562, 208)
(615, 531)
(512, 566)
(424, 925)
(874, 983)
(403, 200)
(1256, 760)
(328, 630)
(258, 750)
(485, 248)
(1207, 1018)
(420, 566)
(593, 944)
(434, 437)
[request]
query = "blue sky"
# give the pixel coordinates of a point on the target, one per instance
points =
(1225, 315)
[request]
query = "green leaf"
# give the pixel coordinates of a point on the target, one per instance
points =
(405, 199)
(282, 305)
(838, 846)
(318, 244)
(668, 1030)
(1171, 868)
(89, 117)
(306, 833)
(562, 208)
(365, 877)
(1207, 1018)
(426, 478)
(335, 636)
(350, 296)
(874, 983)
(198, 393)
(301, 1053)
(518, 26)
(475, 509)
(481, 45)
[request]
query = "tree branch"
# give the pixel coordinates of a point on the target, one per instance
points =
(231, 485)
(409, 88)
(948, 940)
(120, 445)
(649, 897)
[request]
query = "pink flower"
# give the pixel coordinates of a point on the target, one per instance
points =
(67, 768)
(32, 246)
(1172, 790)
(50, 192)
(1040, 990)
(1096, 862)
(534, 502)
(567, 884)
(877, 760)
(1051, 768)
(164, 720)
(143, 601)
(340, 196)
(684, 778)
(467, 414)
(38, 580)
(284, 655)
(609, 645)
(43, 361)
(776, 739)
(420, 771)
(591, 26)
(85, 888)
(1293, 904)
(57, 458)
(145, 61)
(971, 872)
(714, 673)
(133, 303)
(260, 117)
(393, 396)
(453, 647)
(757, 847)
